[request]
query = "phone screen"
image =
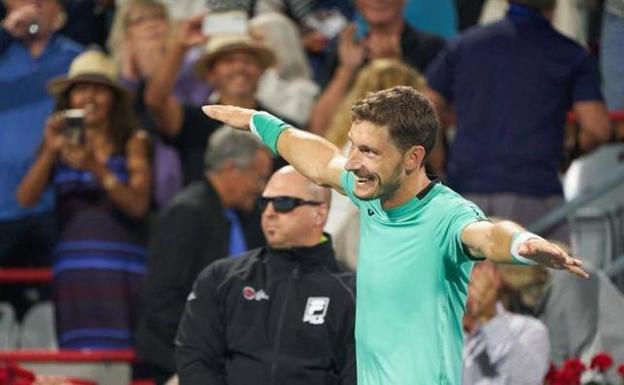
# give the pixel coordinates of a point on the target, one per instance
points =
(225, 23)
(74, 125)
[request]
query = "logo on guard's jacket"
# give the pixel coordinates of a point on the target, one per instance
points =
(371, 212)
(315, 310)
(249, 293)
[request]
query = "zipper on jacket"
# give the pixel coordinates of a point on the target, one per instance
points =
(280, 324)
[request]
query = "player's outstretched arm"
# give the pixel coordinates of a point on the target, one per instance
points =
(313, 156)
(508, 242)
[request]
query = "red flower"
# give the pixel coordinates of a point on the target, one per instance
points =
(574, 366)
(620, 370)
(601, 362)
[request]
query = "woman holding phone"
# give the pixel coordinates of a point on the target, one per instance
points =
(99, 167)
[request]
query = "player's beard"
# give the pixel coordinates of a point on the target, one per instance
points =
(384, 190)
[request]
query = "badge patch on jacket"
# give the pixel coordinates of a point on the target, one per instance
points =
(315, 310)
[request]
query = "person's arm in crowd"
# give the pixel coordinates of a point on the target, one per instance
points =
(351, 56)
(518, 352)
(167, 112)
(133, 197)
(593, 119)
(314, 157)
(15, 25)
(508, 242)
(200, 342)
(437, 158)
(38, 176)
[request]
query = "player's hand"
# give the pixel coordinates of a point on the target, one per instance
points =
(550, 255)
(233, 116)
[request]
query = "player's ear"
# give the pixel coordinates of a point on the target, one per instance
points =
(414, 158)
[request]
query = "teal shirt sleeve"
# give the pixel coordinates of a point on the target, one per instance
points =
(347, 181)
(461, 215)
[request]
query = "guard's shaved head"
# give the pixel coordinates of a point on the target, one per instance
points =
(303, 225)
(313, 191)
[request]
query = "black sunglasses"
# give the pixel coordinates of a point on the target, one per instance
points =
(284, 204)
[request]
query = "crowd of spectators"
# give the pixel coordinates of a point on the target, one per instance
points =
(112, 176)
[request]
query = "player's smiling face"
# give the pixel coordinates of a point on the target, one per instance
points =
(375, 160)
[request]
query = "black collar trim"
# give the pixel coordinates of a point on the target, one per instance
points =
(434, 180)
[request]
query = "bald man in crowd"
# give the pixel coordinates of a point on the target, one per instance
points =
(281, 314)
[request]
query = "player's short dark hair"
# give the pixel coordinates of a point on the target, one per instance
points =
(408, 116)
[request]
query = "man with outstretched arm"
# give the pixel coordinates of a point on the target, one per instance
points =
(419, 239)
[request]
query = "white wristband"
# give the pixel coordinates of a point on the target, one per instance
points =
(519, 238)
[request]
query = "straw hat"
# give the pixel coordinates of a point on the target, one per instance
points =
(91, 66)
(222, 44)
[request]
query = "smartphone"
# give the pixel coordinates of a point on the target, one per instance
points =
(329, 22)
(225, 23)
(361, 27)
(74, 125)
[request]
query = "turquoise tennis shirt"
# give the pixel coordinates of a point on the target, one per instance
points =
(412, 278)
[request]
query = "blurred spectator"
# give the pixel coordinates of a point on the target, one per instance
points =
(282, 314)
(379, 74)
(100, 169)
(138, 39)
(500, 347)
(570, 17)
(437, 18)
(233, 64)
(89, 21)
(320, 21)
(30, 55)
(286, 88)
(138, 43)
(199, 226)
(387, 36)
(612, 54)
(583, 316)
(511, 84)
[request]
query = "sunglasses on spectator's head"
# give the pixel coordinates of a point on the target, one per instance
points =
(284, 204)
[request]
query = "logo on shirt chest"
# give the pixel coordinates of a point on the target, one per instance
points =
(315, 310)
(250, 294)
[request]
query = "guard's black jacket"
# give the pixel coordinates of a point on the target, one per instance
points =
(274, 317)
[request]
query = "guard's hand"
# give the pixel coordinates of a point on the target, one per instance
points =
(550, 255)
(233, 116)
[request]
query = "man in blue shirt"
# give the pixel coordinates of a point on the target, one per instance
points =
(30, 55)
(511, 84)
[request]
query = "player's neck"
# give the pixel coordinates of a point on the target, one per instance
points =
(410, 187)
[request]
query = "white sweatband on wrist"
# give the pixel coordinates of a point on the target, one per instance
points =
(519, 238)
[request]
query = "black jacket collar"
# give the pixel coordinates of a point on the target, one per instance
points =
(305, 258)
